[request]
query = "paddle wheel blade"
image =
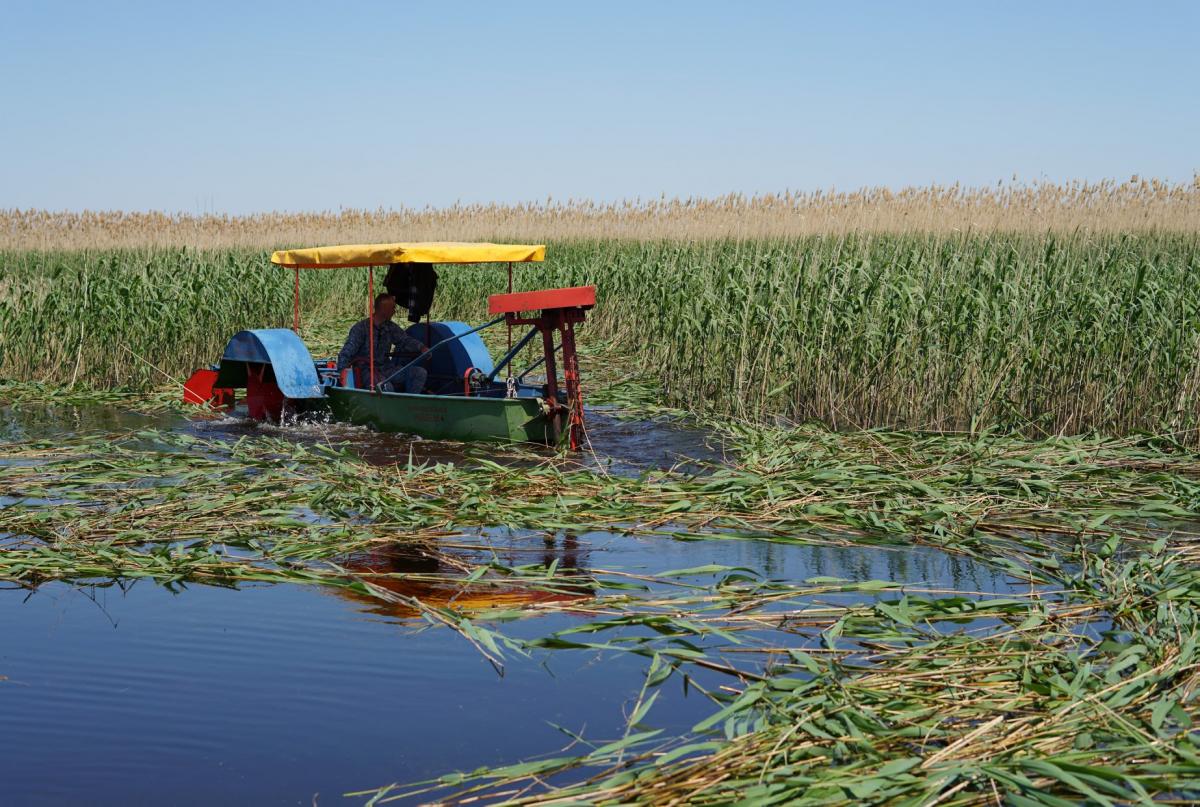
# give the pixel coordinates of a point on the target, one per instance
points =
(201, 389)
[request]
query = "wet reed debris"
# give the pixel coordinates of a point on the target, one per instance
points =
(1083, 697)
(1081, 688)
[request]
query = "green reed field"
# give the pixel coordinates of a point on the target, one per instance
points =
(1040, 333)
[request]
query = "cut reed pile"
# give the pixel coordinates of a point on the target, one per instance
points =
(1048, 334)
(1087, 698)
(1136, 205)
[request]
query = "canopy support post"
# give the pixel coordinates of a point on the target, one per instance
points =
(296, 303)
(371, 322)
(510, 324)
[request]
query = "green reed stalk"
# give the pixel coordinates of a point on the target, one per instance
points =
(1046, 334)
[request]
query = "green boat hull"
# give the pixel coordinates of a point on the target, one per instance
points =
(444, 417)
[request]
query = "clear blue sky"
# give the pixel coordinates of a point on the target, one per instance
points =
(246, 106)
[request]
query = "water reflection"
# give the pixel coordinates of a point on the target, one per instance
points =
(437, 579)
(916, 565)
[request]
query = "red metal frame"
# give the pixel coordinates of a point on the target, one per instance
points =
(573, 297)
(561, 309)
(201, 389)
(264, 399)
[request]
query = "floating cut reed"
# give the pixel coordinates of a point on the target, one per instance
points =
(1080, 689)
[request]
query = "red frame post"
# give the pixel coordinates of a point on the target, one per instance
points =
(571, 379)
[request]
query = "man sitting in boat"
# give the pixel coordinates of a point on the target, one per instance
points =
(393, 349)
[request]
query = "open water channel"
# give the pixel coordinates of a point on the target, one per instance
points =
(119, 693)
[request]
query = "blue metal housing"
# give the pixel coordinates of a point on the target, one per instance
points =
(293, 367)
(448, 363)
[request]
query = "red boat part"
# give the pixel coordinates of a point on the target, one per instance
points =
(199, 389)
(561, 309)
(264, 400)
(571, 379)
(573, 297)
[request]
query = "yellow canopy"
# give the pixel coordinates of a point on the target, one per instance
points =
(414, 252)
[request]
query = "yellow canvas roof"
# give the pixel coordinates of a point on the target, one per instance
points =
(412, 252)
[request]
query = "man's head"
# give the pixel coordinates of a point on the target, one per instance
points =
(385, 307)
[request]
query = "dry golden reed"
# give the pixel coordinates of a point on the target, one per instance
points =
(1136, 205)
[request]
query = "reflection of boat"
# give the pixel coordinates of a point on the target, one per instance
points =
(414, 575)
(467, 400)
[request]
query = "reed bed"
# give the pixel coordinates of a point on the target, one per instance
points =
(1042, 333)
(135, 320)
(1134, 205)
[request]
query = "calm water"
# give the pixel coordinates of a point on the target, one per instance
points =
(282, 694)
